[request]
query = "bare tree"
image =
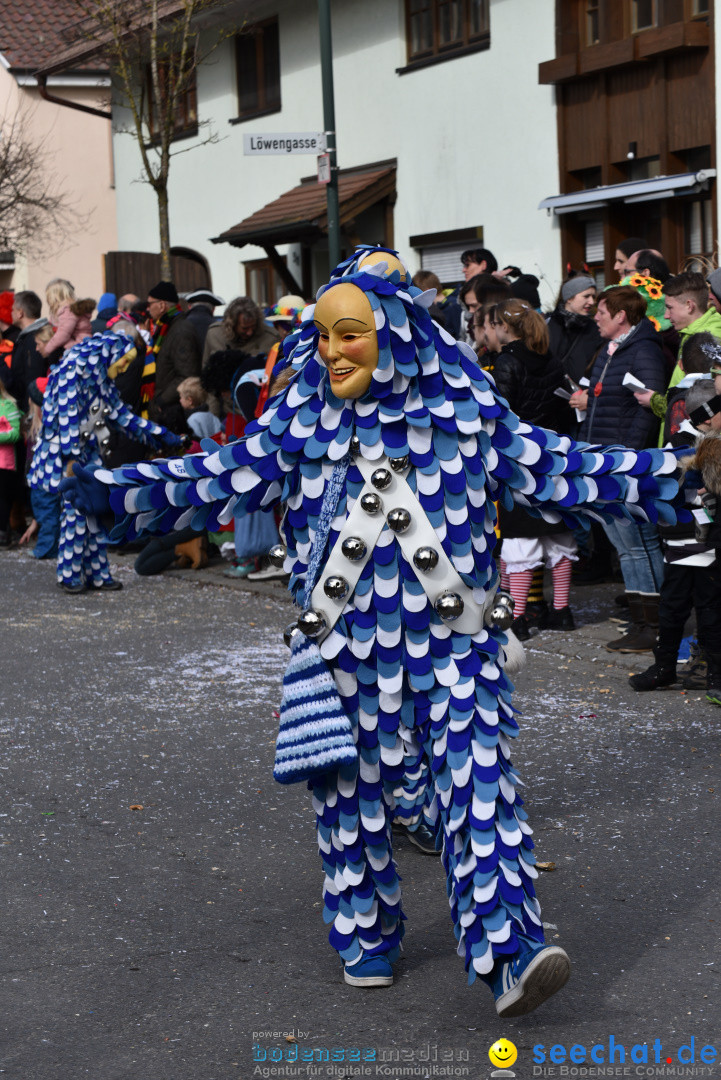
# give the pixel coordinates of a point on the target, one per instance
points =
(34, 210)
(153, 50)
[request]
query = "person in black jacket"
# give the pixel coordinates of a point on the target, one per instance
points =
(527, 376)
(613, 416)
(693, 573)
(574, 336)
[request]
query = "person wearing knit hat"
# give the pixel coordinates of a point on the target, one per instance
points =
(165, 291)
(574, 336)
(714, 285)
(6, 310)
(107, 308)
(624, 251)
(173, 356)
(8, 335)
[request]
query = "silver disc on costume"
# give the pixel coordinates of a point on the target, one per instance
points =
(380, 479)
(336, 587)
(449, 606)
(288, 633)
(398, 519)
(95, 407)
(354, 548)
(311, 623)
(107, 411)
(105, 443)
(276, 555)
(425, 558)
(354, 444)
(501, 614)
(399, 464)
(371, 502)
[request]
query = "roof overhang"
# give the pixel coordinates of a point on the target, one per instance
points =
(300, 215)
(658, 187)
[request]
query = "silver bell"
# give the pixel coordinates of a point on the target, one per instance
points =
(398, 519)
(354, 444)
(371, 502)
(105, 443)
(336, 587)
(311, 623)
(95, 408)
(107, 411)
(380, 479)
(288, 633)
(276, 555)
(501, 614)
(399, 464)
(425, 558)
(354, 548)
(449, 606)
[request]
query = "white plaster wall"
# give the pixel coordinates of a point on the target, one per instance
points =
(475, 137)
(79, 153)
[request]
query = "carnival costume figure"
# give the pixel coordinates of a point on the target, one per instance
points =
(389, 436)
(81, 403)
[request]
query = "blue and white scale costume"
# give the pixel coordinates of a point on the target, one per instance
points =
(80, 380)
(412, 686)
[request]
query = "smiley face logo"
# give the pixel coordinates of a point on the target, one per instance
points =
(503, 1054)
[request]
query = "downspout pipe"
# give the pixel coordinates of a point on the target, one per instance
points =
(47, 96)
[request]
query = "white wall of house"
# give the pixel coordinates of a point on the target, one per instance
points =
(475, 137)
(77, 153)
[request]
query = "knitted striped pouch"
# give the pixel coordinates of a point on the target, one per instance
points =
(315, 736)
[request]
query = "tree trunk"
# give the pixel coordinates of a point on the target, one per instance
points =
(164, 222)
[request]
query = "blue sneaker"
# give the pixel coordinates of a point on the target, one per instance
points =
(521, 985)
(369, 971)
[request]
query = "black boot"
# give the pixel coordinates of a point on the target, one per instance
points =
(662, 673)
(638, 637)
(713, 690)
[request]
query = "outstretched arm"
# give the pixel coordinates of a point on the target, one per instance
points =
(561, 480)
(200, 491)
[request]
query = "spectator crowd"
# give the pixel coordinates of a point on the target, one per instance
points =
(635, 364)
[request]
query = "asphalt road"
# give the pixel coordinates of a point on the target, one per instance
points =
(162, 893)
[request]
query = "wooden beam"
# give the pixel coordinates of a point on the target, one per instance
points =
(281, 269)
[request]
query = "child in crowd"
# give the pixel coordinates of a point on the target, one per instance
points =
(70, 316)
(10, 417)
(526, 376)
(194, 400)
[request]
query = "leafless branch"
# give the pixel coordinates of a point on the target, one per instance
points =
(36, 215)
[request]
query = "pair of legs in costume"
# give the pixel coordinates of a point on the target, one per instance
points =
(82, 554)
(449, 759)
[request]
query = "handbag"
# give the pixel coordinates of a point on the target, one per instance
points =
(315, 735)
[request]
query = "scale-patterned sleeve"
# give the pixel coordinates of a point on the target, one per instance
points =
(558, 479)
(200, 491)
(121, 416)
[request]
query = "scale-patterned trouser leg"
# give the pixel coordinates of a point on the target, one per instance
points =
(81, 553)
(465, 731)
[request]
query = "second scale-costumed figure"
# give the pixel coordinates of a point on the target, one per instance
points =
(387, 409)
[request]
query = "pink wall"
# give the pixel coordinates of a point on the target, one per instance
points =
(79, 155)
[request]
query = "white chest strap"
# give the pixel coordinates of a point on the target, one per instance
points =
(390, 491)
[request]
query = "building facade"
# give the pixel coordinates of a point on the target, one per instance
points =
(75, 143)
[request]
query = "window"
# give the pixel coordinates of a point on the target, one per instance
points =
(262, 283)
(257, 58)
(185, 108)
(436, 28)
(700, 7)
(593, 27)
(644, 14)
(698, 234)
